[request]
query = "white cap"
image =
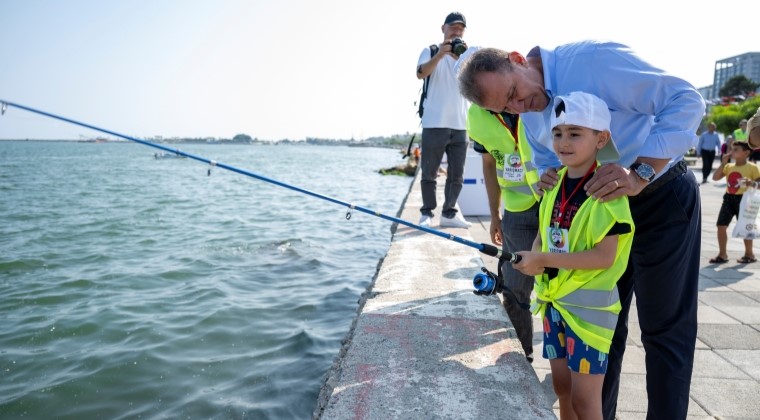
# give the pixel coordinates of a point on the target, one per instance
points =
(586, 110)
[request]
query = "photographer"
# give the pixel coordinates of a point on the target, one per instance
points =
(443, 124)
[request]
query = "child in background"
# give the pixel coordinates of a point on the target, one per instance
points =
(588, 243)
(738, 176)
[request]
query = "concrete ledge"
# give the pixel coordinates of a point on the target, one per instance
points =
(424, 346)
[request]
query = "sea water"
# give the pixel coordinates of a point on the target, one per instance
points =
(135, 287)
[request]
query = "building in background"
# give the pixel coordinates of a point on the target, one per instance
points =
(747, 64)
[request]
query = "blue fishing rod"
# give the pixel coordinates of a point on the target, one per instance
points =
(486, 283)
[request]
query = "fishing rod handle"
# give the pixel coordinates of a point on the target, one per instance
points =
(512, 258)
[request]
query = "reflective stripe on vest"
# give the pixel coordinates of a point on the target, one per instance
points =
(592, 298)
(599, 317)
(522, 189)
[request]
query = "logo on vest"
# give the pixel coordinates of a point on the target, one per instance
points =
(513, 169)
(558, 240)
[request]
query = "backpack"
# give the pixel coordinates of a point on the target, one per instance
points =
(420, 108)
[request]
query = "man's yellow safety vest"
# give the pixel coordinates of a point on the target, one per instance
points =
(489, 131)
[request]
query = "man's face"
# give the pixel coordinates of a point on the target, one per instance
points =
(454, 30)
(515, 92)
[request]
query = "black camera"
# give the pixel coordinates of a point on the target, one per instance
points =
(458, 47)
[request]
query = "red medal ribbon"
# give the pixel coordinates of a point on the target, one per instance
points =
(565, 200)
(513, 132)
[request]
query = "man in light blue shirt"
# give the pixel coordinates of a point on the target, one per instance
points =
(655, 116)
(709, 142)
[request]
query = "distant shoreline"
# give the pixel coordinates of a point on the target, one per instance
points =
(386, 143)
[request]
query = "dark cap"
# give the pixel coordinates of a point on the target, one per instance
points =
(455, 17)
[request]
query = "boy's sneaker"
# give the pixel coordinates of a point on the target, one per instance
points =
(426, 220)
(457, 221)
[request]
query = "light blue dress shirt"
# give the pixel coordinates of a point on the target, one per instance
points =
(654, 114)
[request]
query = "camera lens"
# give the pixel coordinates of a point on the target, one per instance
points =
(458, 47)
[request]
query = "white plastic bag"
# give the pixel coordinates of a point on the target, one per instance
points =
(749, 209)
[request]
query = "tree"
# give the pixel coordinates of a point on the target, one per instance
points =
(242, 137)
(727, 118)
(738, 85)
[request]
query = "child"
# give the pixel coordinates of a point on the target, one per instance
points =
(738, 176)
(588, 243)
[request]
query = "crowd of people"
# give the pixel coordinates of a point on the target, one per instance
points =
(570, 184)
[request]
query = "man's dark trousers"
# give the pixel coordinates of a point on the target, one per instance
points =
(663, 271)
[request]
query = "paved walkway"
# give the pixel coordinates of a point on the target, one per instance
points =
(726, 378)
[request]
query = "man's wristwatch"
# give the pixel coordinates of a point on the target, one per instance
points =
(644, 171)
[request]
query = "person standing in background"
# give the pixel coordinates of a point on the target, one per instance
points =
(726, 146)
(738, 175)
(443, 126)
(741, 132)
(709, 142)
(510, 178)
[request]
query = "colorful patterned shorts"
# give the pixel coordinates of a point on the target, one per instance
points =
(561, 342)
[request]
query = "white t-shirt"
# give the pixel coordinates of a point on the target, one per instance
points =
(444, 106)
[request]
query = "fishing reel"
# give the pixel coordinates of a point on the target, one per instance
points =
(487, 283)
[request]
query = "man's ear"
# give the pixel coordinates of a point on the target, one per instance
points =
(517, 58)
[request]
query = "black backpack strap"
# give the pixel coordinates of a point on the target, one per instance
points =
(420, 109)
(433, 52)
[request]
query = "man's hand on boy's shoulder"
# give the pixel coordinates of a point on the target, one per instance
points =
(612, 181)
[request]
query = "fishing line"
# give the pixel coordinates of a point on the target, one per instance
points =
(482, 285)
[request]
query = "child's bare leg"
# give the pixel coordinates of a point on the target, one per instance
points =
(748, 252)
(722, 241)
(587, 395)
(562, 382)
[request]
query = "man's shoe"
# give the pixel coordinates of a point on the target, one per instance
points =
(426, 220)
(457, 221)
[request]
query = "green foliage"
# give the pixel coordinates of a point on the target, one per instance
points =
(727, 118)
(738, 85)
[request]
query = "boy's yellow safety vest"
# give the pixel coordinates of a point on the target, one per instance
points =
(587, 299)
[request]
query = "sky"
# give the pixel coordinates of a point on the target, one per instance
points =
(295, 68)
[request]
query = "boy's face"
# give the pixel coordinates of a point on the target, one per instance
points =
(575, 145)
(739, 153)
